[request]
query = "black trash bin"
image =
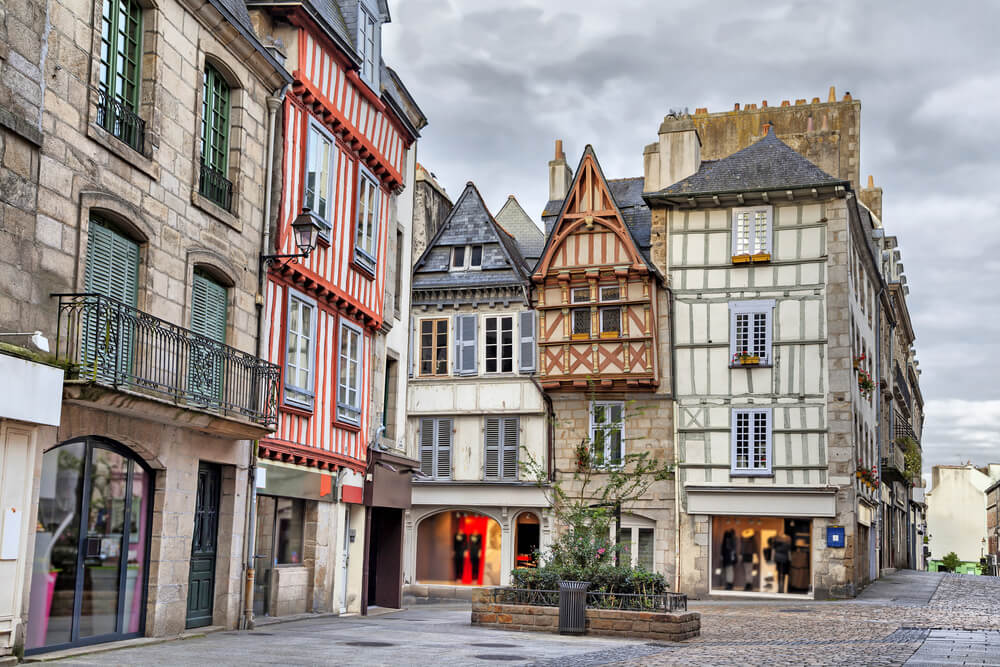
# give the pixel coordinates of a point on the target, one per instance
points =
(573, 607)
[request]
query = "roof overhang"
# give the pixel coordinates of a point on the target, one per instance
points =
(726, 198)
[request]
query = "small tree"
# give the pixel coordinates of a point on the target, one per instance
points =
(911, 456)
(951, 561)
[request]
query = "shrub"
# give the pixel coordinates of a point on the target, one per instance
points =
(603, 577)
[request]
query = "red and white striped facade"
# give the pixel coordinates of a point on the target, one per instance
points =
(327, 90)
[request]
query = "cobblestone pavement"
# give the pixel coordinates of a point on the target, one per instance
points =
(923, 618)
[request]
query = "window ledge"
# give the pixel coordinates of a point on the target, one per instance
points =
(751, 473)
(296, 410)
(763, 364)
(346, 426)
(216, 211)
(131, 156)
(363, 269)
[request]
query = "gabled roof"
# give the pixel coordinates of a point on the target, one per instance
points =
(632, 209)
(470, 223)
(768, 164)
(515, 221)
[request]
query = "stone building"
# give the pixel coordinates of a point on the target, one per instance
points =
(758, 245)
(993, 528)
(431, 206)
(604, 345)
(138, 262)
(475, 410)
(957, 517)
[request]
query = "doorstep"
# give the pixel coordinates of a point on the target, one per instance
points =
(76, 651)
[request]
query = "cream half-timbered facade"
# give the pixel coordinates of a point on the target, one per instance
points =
(604, 342)
(474, 409)
(769, 414)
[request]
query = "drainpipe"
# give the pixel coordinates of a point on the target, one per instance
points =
(273, 103)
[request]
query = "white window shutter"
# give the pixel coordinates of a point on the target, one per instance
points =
(526, 333)
(427, 446)
(443, 454)
(468, 336)
(511, 433)
(491, 467)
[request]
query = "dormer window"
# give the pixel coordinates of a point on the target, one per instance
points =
(466, 257)
(367, 42)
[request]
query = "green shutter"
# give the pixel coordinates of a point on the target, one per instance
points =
(208, 318)
(112, 270)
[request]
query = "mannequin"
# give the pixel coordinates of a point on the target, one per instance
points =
(748, 549)
(461, 548)
(475, 547)
(728, 556)
(782, 550)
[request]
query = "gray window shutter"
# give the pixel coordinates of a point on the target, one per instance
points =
(443, 453)
(465, 344)
(427, 447)
(491, 467)
(526, 333)
(511, 433)
(113, 271)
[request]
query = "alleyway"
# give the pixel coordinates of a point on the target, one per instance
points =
(910, 618)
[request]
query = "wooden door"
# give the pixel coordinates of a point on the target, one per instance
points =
(204, 542)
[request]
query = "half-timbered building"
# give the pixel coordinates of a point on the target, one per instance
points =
(475, 411)
(604, 341)
(775, 431)
(329, 539)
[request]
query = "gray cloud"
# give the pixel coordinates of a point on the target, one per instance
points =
(501, 79)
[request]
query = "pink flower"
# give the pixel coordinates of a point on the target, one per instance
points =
(601, 551)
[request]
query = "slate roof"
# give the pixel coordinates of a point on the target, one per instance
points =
(513, 219)
(628, 196)
(235, 11)
(470, 223)
(768, 164)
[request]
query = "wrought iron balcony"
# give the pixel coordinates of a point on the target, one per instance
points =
(117, 119)
(903, 429)
(214, 186)
(894, 464)
(112, 344)
(901, 387)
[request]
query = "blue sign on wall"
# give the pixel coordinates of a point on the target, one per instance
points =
(835, 536)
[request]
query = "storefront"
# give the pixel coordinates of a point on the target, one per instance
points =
(761, 554)
(294, 514)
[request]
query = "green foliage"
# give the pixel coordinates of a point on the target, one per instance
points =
(951, 561)
(603, 577)
(911, 456)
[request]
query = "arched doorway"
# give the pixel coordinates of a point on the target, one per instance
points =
(88, 581)
(527, 539)
(458, 547)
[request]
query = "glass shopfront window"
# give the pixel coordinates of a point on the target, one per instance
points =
(458, 548)
(526, 540)
(761, 554)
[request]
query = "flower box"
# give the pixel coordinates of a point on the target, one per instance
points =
(742, 259)
(762, 257)
(749, 360)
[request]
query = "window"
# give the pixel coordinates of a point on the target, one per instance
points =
(581, 322)
(611, 322)
(299, 352)
(751, 442)
(121, 53)
(502, 434)
(750, 332)
(349, 371)
(213, 183)
(367, 44)
(319, 177)
(208, 318)
(389, 405)
(637, 546)
(434, 347)
(435, 447)
(465, 257)
(500, 344)
(610, 293)
(465, 344)
(289, 518)
(526, 331)
(397, 294)
(752, 231)
(581, 295)
(606, 426)
(366, 234)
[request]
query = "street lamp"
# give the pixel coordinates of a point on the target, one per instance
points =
(305, 230)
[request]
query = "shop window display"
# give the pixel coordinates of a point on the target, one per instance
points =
(526, 540)
(458, 548)
(761, 554)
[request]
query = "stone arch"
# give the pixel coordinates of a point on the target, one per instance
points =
(459, 546)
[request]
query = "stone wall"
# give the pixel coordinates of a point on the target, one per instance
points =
(604, 622)
(431, 206)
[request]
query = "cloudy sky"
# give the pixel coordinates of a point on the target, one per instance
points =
(499, 80)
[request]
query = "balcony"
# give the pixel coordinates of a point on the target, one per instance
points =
(214, 186)
(118, 120)
(894, 464)
(903, 429)
(110, 344)
(901, 388)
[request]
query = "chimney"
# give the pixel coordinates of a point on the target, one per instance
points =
(560, 175)
(675, 156)
(871, 197)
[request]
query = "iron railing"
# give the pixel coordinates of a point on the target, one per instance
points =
(660, 602)
(894, 461)
(901, 387)
(113, 344)
(214, 186)
(119, 120)
(903, 429)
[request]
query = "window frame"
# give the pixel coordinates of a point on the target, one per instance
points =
(573, 291)
(108, 77)
(574, 334)
(359, 383)
(466, 263)
(310, 391)
(600, 322)
(434, 346)
(751, 471)
(751, 308)
(295, 504)
(325, 223)
(752, 250)
(499, 357)
(603, 299)
(369, 59)
(366, 259)
(605, 426)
